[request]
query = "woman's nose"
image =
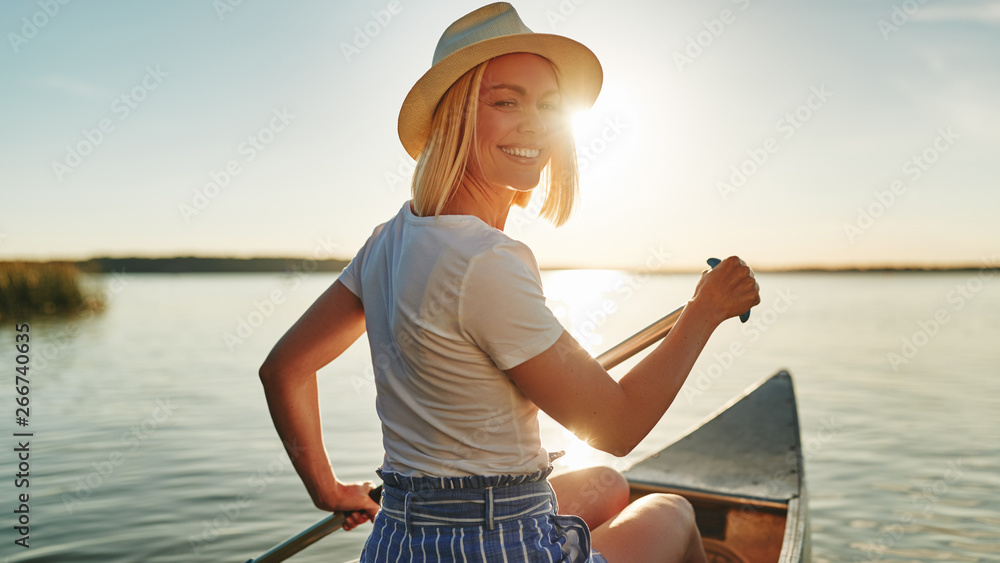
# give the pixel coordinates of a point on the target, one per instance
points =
(533, 122)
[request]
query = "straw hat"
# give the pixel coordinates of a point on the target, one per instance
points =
(492, 31)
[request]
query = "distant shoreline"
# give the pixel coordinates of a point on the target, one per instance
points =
(812, 270)
(199, 264)
(208, 264)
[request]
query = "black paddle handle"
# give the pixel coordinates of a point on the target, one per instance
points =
(376, 494)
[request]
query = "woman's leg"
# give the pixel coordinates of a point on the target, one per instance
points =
(655, 527)
(594, 494)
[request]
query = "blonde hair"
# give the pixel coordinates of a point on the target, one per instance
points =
(451, 146)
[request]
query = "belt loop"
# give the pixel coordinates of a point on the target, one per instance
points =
(489, 508)
(406, 512)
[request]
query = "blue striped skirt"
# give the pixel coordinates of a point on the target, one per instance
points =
(508, 518)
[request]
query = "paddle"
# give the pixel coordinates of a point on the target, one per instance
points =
(652, 333)
(310, 535)
(609, 359)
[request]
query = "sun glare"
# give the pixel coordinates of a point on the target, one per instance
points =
(580, 120)
(607, 137)
(578, 297)
(578, 453)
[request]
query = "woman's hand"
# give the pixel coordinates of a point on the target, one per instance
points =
(727, 291)
(351, 498)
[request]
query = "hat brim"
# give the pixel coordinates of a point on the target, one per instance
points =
(579, 72)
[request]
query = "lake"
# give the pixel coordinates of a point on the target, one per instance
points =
(152, 440)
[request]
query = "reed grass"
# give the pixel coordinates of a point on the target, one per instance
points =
(32, 289)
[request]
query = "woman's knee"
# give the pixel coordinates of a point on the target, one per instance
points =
(595, 493)
(656, 527)
(615, 487)
(612, 489)
(673, 510)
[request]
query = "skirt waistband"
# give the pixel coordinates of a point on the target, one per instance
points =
(406, 483)
(477, 500)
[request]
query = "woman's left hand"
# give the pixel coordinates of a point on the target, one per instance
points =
(352, 499)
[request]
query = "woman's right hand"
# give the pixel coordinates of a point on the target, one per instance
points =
(728, 290)
(350, 498)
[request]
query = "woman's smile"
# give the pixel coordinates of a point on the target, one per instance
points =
(522, 155)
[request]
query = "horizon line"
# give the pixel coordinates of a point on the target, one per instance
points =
(802, 268)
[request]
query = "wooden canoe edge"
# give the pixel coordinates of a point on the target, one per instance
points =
(796, 546)
(697, 496)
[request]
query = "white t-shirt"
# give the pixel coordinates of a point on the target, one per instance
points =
(449, 303)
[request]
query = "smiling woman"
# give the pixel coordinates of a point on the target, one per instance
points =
(518, 107)
(465, 351)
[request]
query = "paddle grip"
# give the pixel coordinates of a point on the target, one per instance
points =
(713, 262)
(376, 494)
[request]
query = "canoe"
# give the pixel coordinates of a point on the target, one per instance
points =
(742, 471)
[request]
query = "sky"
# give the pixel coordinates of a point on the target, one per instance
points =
(831, 134)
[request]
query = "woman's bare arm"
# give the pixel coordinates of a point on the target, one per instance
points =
(334, 322)
(568, 384)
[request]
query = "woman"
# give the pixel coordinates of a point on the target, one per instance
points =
(465, 351)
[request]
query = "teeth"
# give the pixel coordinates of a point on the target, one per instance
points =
(525, 153)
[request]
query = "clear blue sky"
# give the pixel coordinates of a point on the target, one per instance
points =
(846, 100)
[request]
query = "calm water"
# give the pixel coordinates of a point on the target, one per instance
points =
(153, 442)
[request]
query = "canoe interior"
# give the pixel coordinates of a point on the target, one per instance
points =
(732, 531)
(742, 471)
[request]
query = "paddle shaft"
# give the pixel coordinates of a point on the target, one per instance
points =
(303, 539)
(310, 535)
(623, 351)
(640, 340)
